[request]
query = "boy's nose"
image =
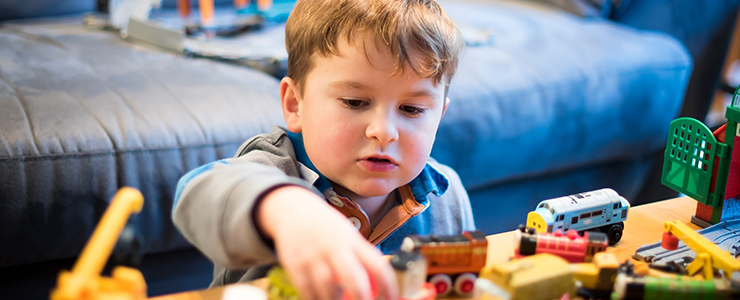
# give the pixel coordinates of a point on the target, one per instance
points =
(383, 129)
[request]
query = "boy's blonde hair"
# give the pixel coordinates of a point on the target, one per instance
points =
(417, 32)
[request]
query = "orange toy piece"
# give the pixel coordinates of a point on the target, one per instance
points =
(239, 4)
(264, 5)
(184, 8)
(206, 12)
(84, 281)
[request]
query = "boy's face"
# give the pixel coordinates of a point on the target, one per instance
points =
(367, 131)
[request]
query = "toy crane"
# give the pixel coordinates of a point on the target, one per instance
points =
(708, 255)
(84, 281)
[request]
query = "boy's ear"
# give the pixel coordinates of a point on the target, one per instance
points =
(290, 100)
(447, 103)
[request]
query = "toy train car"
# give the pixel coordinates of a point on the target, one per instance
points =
(570, 246)
(537, 277)
(602, 209)
(657, 288)
(451, 259)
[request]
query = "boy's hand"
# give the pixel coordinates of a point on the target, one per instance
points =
(320, 249)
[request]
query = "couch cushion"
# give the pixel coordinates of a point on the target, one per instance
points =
(553, 91)
(84, 112)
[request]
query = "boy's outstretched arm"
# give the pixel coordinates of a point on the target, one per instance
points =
(320, 249)
(213, 210)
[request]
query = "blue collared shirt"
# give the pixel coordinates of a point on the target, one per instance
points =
(430, 180)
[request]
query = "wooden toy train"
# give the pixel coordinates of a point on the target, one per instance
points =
(570, 246)
(453, 260)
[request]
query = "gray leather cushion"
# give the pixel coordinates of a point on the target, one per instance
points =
(84, 112)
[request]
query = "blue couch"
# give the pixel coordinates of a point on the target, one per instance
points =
(549, 104)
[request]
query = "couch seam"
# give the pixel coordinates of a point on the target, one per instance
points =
(21, 101)
(108, 153)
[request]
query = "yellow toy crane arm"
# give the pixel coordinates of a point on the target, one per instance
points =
(84, 281)
(708, 255)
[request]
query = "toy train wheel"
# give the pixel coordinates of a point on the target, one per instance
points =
(464, 284)
(614, 233)
(442, 283)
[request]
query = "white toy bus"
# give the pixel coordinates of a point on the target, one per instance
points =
(602, 210)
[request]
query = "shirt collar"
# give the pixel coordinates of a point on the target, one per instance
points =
(430, 180)
(322, 183)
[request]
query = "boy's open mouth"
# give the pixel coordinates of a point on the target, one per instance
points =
(380, 160)
(376, 159)
(380, 164)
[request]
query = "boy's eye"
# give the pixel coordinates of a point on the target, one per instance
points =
(411, 110)
(354, 103)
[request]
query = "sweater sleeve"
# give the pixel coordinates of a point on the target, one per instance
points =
(455, 204)
(463, 201)
(213, 208)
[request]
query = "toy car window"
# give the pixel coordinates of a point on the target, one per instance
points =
(596, 213)
(574, 220)
(586, 215)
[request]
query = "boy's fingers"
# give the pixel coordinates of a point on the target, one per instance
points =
(381, 271)
(323, 285)
(300, 282)
(352, 276)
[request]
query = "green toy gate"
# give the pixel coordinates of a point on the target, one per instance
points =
(689, 161)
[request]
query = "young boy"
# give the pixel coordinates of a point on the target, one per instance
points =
(365, 92)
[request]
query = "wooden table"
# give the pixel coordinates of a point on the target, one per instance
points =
(644, 225)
